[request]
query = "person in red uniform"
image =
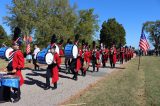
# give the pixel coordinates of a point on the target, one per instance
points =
(53, 69)
(86, 59)
(79, 65)
(61, 52)
(94, 62)
(76, 61)
(106, 53)
(56, 65)
(16, 63)
(121, 54)
(81, 53)
(104, 56)
(98, 58)
(113, 54)
(126, 54)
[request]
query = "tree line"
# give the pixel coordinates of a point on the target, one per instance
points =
(43, 18)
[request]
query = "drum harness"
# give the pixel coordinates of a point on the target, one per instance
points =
(9, 67)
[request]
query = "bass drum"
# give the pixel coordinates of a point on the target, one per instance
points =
(43, 57)
(5, 52)
(71, 51)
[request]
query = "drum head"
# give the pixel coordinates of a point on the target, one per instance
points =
(8, 52)
(75, 51)
(49, 58)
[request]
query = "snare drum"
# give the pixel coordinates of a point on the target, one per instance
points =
(43, 57)
(1, 76)
(11, 81)
(71, 51)
(4, 52)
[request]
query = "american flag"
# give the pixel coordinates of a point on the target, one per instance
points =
(28, 40)
(143, 44)
(28, 50)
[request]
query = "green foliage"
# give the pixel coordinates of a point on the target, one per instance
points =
(42, 18)
(153, 29)
(2, 32)
(112, 31)
(4, 39)
(21, 13)
(87, 24)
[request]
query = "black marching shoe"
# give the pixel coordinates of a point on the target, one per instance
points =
(16, 100)
(85, 73)
(47, 87)
(75, 78)
(97, 70)
(55, 86)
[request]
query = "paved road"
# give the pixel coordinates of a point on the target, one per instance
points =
(33, 93)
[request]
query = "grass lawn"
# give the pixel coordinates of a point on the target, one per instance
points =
(4, 63)
(126, 87)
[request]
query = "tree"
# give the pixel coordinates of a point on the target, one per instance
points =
(87, 24)
(4, 39)
(43, 18)
(111, 32)
(3, 34)
(60, 19)
(153, 29)
(21, 12)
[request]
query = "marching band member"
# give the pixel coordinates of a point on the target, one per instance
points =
(86, 59)
(61, 52)
(98, 58)
(126, 54)
(54, 67)
(106, 53)
(94, 62)
(104, 56)
(113, 54)
(121, 54)
(81, 53)
(16, 64)
(67, 60)
(76, 62)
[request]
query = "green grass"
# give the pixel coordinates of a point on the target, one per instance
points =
(126, 87)
(3, 64)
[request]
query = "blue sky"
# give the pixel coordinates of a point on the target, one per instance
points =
(130, 13)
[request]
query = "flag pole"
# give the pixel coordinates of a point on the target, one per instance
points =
(140, 51)
(139, 59)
